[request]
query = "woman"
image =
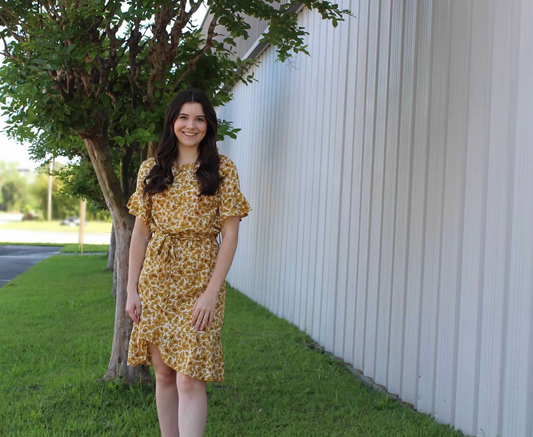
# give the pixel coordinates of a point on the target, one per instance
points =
(186, 195)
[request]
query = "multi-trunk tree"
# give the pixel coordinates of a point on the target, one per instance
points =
(91, 79)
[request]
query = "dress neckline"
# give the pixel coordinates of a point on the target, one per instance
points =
(184, 165)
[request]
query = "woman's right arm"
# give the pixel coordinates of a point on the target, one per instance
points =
(139, 242)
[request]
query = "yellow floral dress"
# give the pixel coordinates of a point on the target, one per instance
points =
(180, 258)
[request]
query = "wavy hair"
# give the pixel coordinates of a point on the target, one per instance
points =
(160, 176)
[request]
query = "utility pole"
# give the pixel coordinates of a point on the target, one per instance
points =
(50, 182)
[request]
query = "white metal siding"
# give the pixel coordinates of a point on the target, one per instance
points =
(390, 176)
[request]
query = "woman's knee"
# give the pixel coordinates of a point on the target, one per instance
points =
(163, 374)
(188, 385)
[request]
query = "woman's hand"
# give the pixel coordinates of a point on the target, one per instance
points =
(203, 311)
(133, 306)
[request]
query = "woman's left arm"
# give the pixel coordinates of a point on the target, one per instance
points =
(204, 309)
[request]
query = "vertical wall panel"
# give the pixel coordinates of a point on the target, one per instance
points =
(452, 212)
(518, 395)
(474, 220)
(345, 112)
(389, 193)
(390, 179)
(516, 398)
(316, 72)
(359, 309)
(368, 297)
(328, 147)
(417, 224)
(349, 206)
(407, 25)
(436, 146)
(496, 256)
(376, 136)
(339, 233)
(306, 177)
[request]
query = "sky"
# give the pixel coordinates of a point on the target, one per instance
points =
(11, 151)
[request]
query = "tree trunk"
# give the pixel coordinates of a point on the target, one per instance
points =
(118, 368)
(96, 145)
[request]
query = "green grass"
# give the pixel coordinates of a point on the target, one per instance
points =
(56, 323)
(87, 248)
(31, 244)
(34, 225)
(67, 248)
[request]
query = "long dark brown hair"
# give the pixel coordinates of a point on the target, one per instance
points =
(160, 176)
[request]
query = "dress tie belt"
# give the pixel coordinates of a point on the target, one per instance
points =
(164, 244)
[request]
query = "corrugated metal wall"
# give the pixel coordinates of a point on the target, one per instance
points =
(391, 180)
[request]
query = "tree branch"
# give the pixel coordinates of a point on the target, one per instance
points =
(18, 37)
(50, 9)
(106, 65)
(134, 50)
(181, 22)
(6, 51)
(205, 48)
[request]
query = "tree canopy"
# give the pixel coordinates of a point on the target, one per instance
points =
(91, 79)
(74, 67)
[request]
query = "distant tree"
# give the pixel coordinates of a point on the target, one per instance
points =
(92, 79)
(13, 187)
(64, 203)
(13, 194)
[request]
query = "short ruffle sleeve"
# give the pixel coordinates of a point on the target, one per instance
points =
(232, 201)
(140, 205)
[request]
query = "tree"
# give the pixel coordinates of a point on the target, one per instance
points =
(92, 79)
(13, 188)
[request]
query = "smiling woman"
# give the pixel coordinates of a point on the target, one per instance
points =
(186, 196)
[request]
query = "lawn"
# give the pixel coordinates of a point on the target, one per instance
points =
(66, 248)
(35, 225)
(87, 248)
(56, 325)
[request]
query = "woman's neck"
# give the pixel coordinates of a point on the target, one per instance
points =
(187, 156)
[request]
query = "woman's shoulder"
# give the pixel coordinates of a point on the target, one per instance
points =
(147, 165)
(226, 164)
(150, 162)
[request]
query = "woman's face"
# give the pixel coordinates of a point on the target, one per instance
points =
(191, 125)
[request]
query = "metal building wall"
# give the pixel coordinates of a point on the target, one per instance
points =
(390, 176)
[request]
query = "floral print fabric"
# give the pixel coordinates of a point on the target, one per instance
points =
(180, 258)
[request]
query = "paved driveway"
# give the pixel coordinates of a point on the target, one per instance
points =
(15, 260)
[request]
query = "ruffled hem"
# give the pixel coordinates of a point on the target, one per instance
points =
(138, 207)
(141, 358)
(239, 207)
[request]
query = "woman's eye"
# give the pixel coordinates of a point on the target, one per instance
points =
(201, 120)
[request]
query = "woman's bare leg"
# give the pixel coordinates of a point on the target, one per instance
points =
(166, 394)
(192, 406)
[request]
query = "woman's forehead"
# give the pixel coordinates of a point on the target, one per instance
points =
(192, 108)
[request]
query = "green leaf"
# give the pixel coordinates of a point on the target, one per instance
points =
(119, 140)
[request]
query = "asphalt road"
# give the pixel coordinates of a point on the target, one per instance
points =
(15, 260)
